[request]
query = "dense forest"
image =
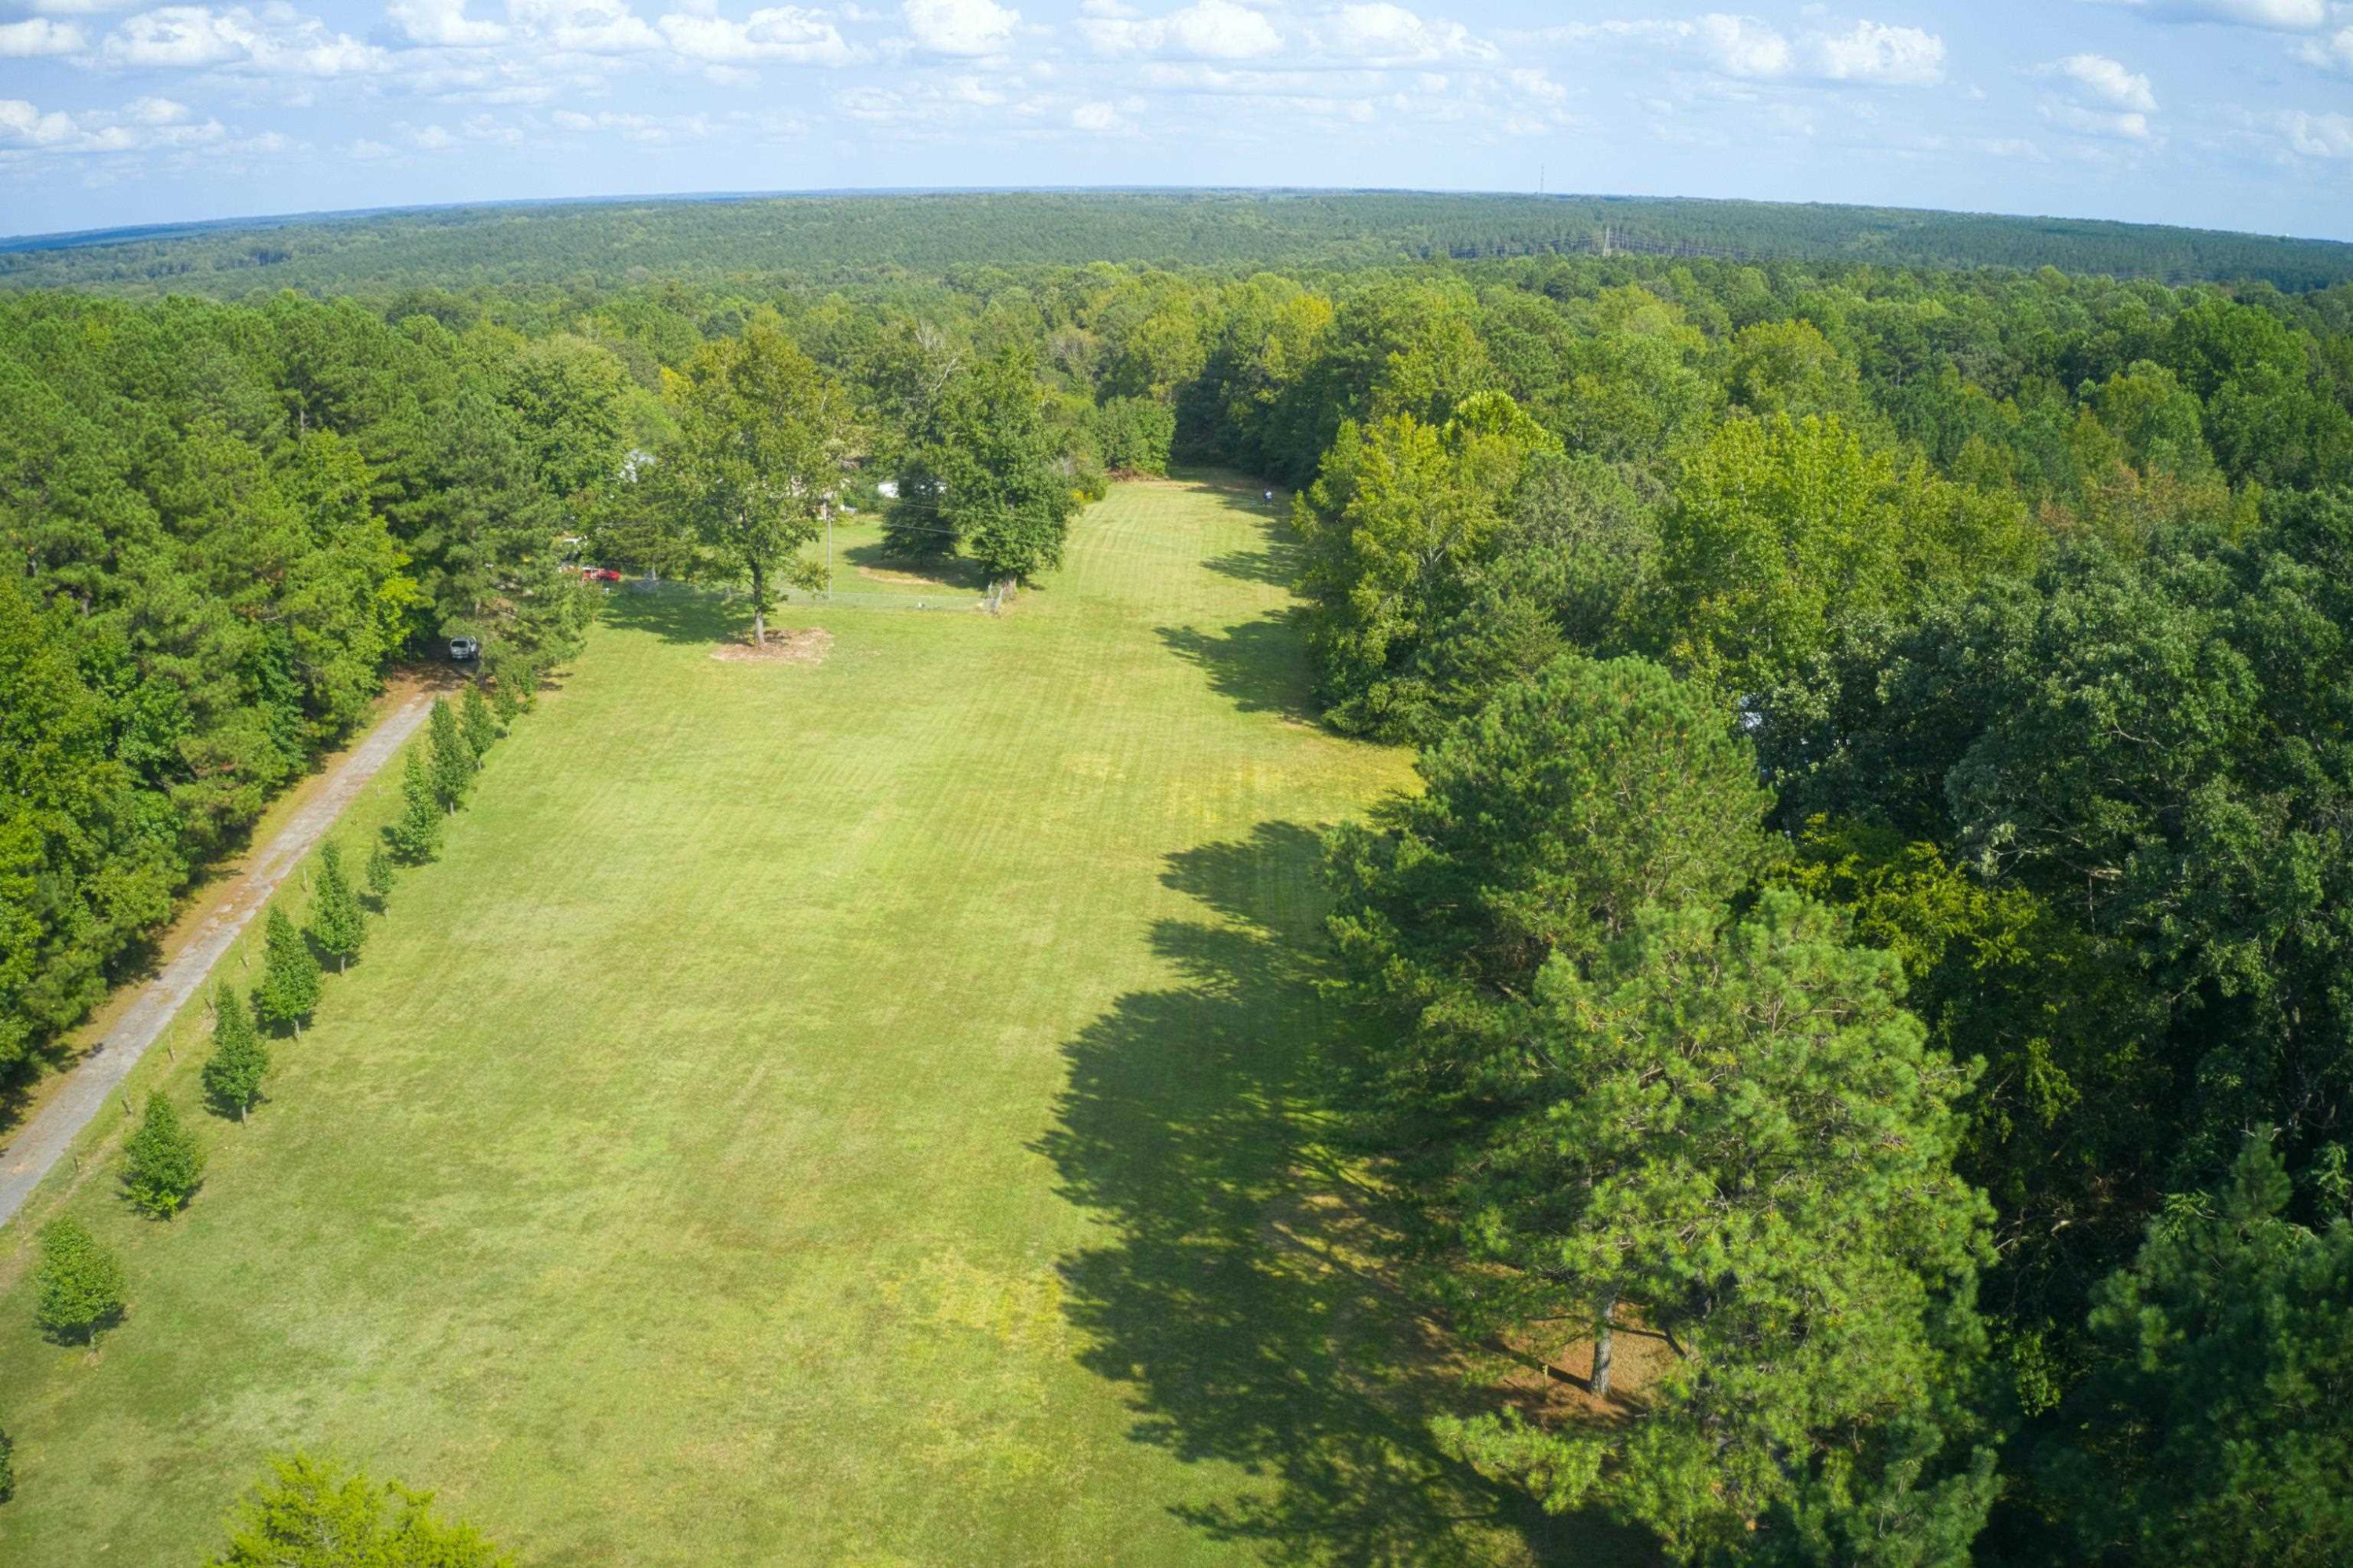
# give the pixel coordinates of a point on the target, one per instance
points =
(1878, 916)
(828, 240)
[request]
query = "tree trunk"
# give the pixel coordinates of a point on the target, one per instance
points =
(241, 1109)
(1598, 1384)
(344, 963)
(759, 597)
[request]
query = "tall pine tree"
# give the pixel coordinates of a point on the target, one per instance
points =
(416, 836)
(454, 762)
(240, 1060)
(337, 923)
(288, 992)
(474, 719)
(163, 1164)
(379, 877)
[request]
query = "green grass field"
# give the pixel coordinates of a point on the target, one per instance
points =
(859, 1113)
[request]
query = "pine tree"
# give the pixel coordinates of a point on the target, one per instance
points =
(337, 923)
(78, 1284)
(454, 762)
(163, 1164)
(240, 1058)
(288, 992)
(474, 719)
(418, 834)
(379, 877)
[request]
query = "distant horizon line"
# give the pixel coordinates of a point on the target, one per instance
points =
(72, 240)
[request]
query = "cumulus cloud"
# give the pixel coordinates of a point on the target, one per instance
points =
(786, 34)
(22, 40)
(1102, 119)
(584, 27)
(2317, 135)
(1386, 34)
(1878, 54)
(2332, 53)
(960, 26)
(2108, 82)
(443, 22)
(278, 42)
(144, 124)
(1743, 46)
(2124, 126)
(1208, 30)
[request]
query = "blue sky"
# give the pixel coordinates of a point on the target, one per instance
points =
(2230, 113)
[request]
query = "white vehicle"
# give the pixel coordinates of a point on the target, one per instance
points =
(464, 647)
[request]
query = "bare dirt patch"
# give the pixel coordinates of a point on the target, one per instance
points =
(808, 646)
(912, 580)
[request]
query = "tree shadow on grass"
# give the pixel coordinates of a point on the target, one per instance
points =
(1275, 563)
(1244, 1300)
(958, 573)
(680, 613)
(1255, 664)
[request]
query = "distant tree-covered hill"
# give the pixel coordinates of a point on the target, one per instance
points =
(845, 238)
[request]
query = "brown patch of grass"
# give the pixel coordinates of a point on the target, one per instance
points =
(808, 646)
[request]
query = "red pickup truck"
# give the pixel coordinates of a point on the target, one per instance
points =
(600, 575)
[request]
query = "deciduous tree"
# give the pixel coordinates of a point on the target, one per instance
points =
(762, 434)
(308, 1514)
(78, 1283)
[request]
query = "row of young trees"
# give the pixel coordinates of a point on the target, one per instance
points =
(80, 1290)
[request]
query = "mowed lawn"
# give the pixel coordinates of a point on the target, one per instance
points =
(859, 1114)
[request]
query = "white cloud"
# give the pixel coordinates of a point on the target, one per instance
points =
(2317, 135)
(1386, 34)
(443, 22)
(144, 124)
(2108, 82)
(2277, 15)
(365, 150)
(21, 40)
(278, 42)
(2330, 54)
(1743, 46)
(786, 34)
(652, 130)
(1881, 55)
(1102, 119)
(586, 26)
(960, 26)
(1210, 29)
(2127, 126)
(432, 139)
